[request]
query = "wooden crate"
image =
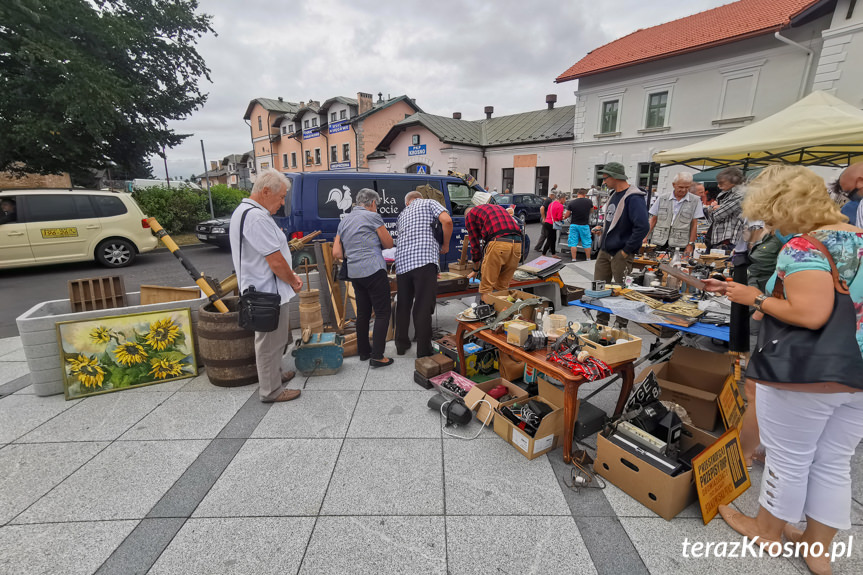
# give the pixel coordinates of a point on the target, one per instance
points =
(613, 353)
(97, 293)
(161, 294)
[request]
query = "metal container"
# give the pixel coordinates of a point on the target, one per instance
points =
(321, 355)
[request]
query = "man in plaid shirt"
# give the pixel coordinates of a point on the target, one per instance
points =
(724, 213)
(500, 232)
(417, 254)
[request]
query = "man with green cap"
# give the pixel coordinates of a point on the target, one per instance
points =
(625, 225)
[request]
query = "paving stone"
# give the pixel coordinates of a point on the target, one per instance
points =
(202, 383)
(273, 477)
(10, 344)
(621, 557)
(137, 553)
(259, 545)
(193, 415)
(12, 370)
(349, 378)
(397, 377)
(394, 414)
(21, 413)
(547, 545)
(376, 546)
(489, 477)
(97, 418)
(386, 477)
(124, 481)
(162, 387)
(68, 548)
(28, 390)
(31, 471)
(17, 355)
(586, 502)
(625, 505)
(660, 544)
(315, 414)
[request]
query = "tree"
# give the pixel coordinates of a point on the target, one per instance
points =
(88, 84)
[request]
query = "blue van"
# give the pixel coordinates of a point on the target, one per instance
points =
(318, 201)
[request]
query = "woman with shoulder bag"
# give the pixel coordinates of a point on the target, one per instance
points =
(360, 238)
(808, 363)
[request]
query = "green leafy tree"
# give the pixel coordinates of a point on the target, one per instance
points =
(87, 84)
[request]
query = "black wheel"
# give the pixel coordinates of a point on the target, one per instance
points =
(522, 217)
(115, 253)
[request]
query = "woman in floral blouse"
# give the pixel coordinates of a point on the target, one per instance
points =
(809, 430)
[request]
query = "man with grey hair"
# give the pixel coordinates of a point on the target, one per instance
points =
(262, 258)
(417, 255)
(674, 217)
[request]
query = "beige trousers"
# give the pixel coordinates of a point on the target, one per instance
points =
(269, 349)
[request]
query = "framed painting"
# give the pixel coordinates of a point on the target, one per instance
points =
(105, 354)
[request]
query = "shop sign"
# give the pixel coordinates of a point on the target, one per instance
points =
(339, 127)
(340, 165)
(417, 150)
(731, 404)
(309, 134)
(720, 474)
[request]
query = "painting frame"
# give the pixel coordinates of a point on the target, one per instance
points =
(125, 351)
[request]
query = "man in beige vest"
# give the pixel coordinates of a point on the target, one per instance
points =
(674, 217)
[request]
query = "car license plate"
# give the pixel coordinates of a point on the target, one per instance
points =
(202, 236)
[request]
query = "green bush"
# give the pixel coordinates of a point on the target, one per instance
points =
(226, 199)
(178, 210)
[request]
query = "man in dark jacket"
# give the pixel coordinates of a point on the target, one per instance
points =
(625, 225)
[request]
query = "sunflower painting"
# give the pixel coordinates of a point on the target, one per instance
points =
(113, 353)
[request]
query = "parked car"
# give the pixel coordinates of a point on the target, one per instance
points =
(60, 225)
(526, 205)
(215, 232)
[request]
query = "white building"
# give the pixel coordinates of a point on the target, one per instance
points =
(697, 77)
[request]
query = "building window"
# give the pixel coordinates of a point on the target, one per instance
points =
(284, 160)
(648, 176)
(508, 176)
(474, 172)
(415, 139)
(293, 159)
(657, 104)
(541, 184)
(346, 152)
(284, 129)
(597, 177)
(314, 122)
(260, 125)
(290, 128)
(318, 156)
(608, 121)
(306, 124)
(333, 117)
(343, 115)
(334, 153)
(308, 157)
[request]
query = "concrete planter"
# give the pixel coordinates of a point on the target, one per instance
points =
(37, 328)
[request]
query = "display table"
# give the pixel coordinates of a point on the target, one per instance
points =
(548, 288)
(720, 332)
(537, 360)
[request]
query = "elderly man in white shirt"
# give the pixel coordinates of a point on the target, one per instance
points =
(266, 264)
(674, 217)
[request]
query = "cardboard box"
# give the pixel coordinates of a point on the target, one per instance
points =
(477, 359)
(480, 391)
(693, 379)
(663, 494)
(445, 363)
(517, 331)
(499, 300)
(550, 428)
(613, 353)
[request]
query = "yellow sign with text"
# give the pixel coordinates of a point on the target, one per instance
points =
(720, 474)
(59, 232)
(731, 404)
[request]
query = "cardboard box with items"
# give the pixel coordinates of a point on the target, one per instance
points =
(479, 360)
(693, 379)
(490, 391)
(614, 345)
(530, 437)
(502, 300)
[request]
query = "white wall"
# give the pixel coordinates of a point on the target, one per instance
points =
(557, 156)
(439, 157)
(837, 68)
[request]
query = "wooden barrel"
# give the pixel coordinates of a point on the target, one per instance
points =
(310, 311)
(228, 351)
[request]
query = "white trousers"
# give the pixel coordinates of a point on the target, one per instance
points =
(809, 439)
(269, 349)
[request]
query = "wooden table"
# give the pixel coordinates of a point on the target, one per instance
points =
(537, 359)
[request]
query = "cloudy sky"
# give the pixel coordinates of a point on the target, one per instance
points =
(451, 56)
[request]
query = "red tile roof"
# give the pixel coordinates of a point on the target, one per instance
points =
(722, 25)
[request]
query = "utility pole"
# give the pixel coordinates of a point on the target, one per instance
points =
(207, 174)
(165, 159)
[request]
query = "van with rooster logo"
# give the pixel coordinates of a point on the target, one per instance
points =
(319, 200)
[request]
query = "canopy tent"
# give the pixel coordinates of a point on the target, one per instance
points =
(709, 176)
(819, 130)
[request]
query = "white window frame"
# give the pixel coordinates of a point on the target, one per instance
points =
(729, 73)
(317, 156)
(332, 116)
(603, 99)
(314, 122)
(305, 124)
(293, 159)
(346, 152)
(285, 160)
(284, 129)
(334, 153)
(290, 128)
(650, 90)
(343, 115)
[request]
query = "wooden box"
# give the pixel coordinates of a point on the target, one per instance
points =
(97, 293)
(161, 294)
(616, 353)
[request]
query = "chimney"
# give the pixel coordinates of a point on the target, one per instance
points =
(489, 110)
(456, 115)
(364, 102)
(380, 97)
(550, 100)
(214, 165)
(302, 104)
(280, 99)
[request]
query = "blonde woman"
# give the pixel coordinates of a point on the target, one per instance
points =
(810, 409)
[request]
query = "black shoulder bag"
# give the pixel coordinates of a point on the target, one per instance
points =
(258, 311)
(791, 354)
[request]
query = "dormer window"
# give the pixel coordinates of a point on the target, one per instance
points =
(314, 122)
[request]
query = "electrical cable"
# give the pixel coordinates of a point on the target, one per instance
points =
(484, 423)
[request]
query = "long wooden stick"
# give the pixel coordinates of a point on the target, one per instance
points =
(160, 233)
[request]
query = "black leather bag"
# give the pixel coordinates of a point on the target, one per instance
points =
(343, 270)
(258, 311)
(791, 354)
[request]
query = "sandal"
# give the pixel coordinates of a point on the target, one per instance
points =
(381, 362)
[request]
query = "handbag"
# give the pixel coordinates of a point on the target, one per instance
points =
(258, 311)
(343, 270)
(790, 354)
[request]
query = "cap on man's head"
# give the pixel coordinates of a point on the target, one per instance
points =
(614, 170)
